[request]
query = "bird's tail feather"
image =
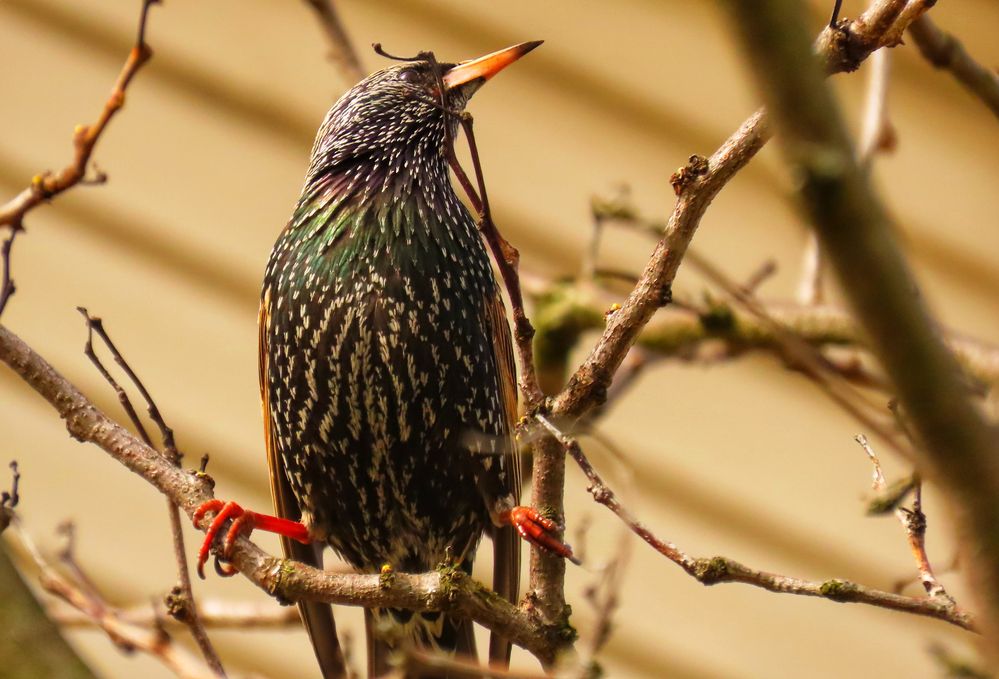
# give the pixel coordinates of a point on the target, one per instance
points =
(318, 617)
(388, 629)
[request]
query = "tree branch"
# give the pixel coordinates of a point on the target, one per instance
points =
(720, 569)
(960, 447)
(913, 521)
(342, 51)
(79, 592)
(842, 48)
(47, 185)
(185, 607)
(563, 313)
(215, 614)
(945, 51)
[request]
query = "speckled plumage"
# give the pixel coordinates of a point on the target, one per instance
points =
(386, 367)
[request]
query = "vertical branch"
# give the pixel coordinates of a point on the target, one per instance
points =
(876, 135)
(508, 260)
(7, 286)
(547, 570)
(913, 521)
(811, 288)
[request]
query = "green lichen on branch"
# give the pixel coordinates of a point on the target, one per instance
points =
(711, 571)
(891, 497)
(838, 590)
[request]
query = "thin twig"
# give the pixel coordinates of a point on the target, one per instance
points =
(811, 289)
(215, 614)
(834, 17)
(761, 275)
(83, 597)
(604, 595)
(183, 604)
(878, 481)
(47, 185)
(715, 570)
(10, 499)
(342, 52)
(96, 325)
(945, 51)
(914, 522)
(876, 132)
(547, 570)
(876, 135)
(951, 566)
(7, 285)
(507, 258)
(697, 185)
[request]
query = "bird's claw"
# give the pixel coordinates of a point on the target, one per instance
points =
(538, 530)
(242, 524)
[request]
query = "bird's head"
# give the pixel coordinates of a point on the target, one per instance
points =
(398, 117)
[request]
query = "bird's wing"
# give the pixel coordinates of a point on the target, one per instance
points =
(506, 542)
(317, 617)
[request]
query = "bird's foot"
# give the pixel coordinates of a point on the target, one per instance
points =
(243, 523)
(538, 530)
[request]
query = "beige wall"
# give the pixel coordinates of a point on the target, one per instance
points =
(742, 459)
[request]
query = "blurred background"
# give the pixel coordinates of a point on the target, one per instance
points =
(742, 458)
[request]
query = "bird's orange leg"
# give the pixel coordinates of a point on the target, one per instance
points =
(537, 530)
(244, 522)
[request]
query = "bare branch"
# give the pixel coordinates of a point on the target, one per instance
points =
(48, 185)
(719, 569)
(507, 259)
(184, 606)
(547, 570)
(84, 598)
(876, 135)
(811, 288)
(914, 522)
(945, 51)
(876, 132)
(342, 52)
(7, 285)
(215, 614)
(842, 48)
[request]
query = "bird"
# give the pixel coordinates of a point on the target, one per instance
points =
(386, 365)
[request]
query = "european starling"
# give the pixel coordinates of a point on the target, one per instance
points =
(386, 364)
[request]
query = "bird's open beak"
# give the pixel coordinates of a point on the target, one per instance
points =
(488, 66)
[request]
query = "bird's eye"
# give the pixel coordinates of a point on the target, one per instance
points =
(409, 75)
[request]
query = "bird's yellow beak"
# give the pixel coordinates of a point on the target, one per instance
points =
(488, 66)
